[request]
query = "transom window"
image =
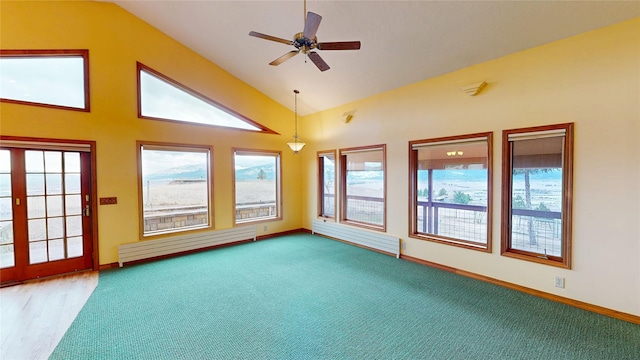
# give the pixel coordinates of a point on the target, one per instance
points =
(363, 186)
(537, 187)
(327, 184)
(175, 187)
(50, 78)
(450, 187)
(162, 98)
(257, 179)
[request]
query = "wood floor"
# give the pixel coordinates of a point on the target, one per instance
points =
(34, 316)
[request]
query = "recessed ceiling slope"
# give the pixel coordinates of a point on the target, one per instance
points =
(403, 42)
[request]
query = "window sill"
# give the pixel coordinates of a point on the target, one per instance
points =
(374, 227)
(181, 231)
(453, 242)
(552, 261)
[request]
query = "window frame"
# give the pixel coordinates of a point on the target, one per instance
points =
(278, 172)
(321, 180)
(166, 146)
(141, 67)
(54, 53)
(563, 261)
(413, 187)
(343, 186)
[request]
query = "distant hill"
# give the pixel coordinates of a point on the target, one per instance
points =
(454, 175)
(252, 173)
(190, 172)
(481, 175)
(195, 172)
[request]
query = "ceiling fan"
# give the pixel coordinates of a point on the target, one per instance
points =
(306, 41)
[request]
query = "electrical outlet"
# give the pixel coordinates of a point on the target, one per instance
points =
(264, 228)
(559, 282)
(403, 245)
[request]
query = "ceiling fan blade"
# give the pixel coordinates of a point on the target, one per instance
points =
(284, 57)
(269, 37)
(318, 61)
(311, 25)
(340, 45)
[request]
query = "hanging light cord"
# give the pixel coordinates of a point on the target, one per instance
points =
(296, 113)
(296, 144)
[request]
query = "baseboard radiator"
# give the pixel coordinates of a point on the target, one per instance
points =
(182, 243)
(370, 239)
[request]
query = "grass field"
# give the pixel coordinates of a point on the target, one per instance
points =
(193, 194)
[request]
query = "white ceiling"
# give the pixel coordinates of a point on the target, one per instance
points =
(403, 42)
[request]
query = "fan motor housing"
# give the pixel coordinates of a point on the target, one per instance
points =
(304, 44)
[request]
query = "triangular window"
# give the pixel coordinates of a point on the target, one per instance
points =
(162, 98)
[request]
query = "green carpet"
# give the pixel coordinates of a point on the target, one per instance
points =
(308, 297)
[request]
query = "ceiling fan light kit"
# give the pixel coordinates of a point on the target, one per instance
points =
(306, 41)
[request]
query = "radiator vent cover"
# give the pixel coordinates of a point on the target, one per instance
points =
(371, 239)
(176, 244)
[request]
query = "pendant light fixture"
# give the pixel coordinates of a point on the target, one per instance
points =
(296, 144)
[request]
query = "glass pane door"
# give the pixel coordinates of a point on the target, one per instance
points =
(54, 205)
(7, 249)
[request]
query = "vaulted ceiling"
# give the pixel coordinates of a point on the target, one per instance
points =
(403, 42)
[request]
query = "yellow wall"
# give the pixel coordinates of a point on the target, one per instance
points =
(593, 80)
(116, 40)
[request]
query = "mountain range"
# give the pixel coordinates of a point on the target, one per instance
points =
(191, 172)
(253, 173)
